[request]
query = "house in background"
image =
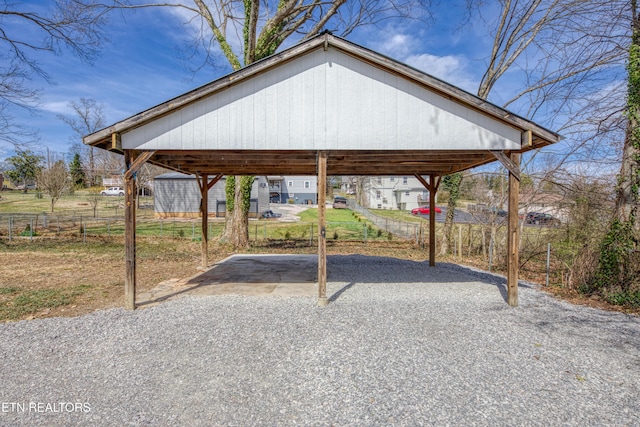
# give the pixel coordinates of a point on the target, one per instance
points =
(549, 203)
(293, 189)
(178, 195)
(1, 182)
(394, 192)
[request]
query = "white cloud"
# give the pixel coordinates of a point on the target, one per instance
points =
(452, 69)
(397, 46)
(410, 48)
(56, 107)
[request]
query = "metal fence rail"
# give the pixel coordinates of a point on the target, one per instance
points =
(30, 226)
(401, 229)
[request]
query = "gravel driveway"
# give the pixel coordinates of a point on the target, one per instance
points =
(400, 344)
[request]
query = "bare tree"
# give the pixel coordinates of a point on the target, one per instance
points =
(566, 52)
(89, 117)
(249, 30)
(617, 275)
(73, 25)
(54, 180)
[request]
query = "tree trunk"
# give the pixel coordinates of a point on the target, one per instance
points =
(616, 272)
(236, 227)
(453, 185)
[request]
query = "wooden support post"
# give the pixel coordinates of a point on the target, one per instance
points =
(322, 228)
(432, 186)
(513, 237)
(204, 210)
(432, 221)
(130, 234)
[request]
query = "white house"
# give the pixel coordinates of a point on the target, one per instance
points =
(395, 192)
(293, 189)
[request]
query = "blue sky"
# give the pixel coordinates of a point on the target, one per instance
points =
(143, 64)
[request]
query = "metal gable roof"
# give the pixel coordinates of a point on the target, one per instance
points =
(177, 129)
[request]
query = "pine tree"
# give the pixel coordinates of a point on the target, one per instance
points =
(76, 171)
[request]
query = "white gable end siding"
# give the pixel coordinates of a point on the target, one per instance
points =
(324, 100)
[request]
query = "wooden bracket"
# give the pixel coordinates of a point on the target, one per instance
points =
(137, 164)
(210, 184)
(214, 181)
(429, 186)
(526, 139)
(116, 143)
(513, 168)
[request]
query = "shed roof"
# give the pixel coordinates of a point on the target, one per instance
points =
(373, 116)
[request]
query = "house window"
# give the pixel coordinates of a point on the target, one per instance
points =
(379, 180)
(289, 183)
(379, 206)
(378, 194)
(406, 193)
(392, 179)
(307, 184)
(405, 180)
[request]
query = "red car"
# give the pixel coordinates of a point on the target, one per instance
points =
(424, 210)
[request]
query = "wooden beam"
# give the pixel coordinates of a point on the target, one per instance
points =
(526, 139)
(513, 238)
(137, 163)
(432, 222)
(322, 228)
(130, 235)
(204, 210)
(214, 181)
(513, 168)
(431, 186)
(116, 143)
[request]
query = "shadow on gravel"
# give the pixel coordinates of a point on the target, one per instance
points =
(297, 275)
(376, 269)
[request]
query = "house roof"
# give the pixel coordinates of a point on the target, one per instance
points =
(373, 116)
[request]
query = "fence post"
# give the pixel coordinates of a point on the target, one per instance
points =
(548, 262)
(84, 230)
(108, 227)
(9, 227)
(364, 227)
(160, 227)
(460, 240)
(490, 252)
(193, 231)
(311, 234)
(31, 230)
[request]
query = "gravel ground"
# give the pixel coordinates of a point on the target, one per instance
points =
(400, 344)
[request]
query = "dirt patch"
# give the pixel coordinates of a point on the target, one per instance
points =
(90, 276)
(98, 270)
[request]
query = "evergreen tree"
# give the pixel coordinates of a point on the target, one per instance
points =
(76, 171)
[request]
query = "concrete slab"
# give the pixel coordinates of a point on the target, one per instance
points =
(259, 275)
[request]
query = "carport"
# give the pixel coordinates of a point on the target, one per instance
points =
(323, 107)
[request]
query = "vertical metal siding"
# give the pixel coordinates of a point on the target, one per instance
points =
(324, 100)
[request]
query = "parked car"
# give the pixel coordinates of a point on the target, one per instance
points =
(113, 191)
(494, 211)
(424, 210)
(339, 202)
(270, 214)
(539, 218)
